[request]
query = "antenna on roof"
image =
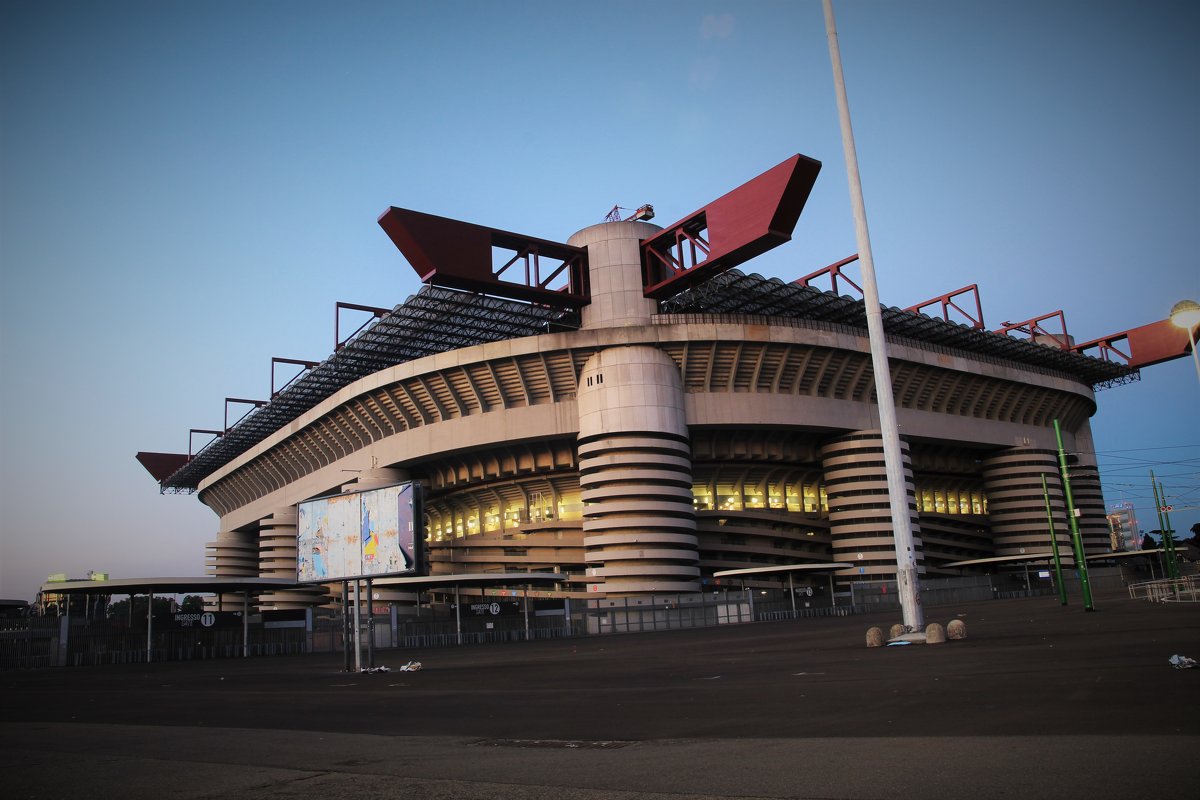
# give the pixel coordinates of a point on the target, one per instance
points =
(642, 214)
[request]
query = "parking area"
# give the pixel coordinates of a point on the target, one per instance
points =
(1037, 698)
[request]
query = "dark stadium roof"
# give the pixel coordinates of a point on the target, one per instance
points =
(432, 321)
(437, 320)
(733, 292)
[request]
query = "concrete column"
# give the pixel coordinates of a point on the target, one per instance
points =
(374, 478)
(234, 554)
(615, 273)
(635, 477)
(860, 524)
(1012, 482)
(277, 559)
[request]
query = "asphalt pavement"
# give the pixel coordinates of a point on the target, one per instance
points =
(1038, 701)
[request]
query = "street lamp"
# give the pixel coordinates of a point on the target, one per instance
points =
(1186, 314)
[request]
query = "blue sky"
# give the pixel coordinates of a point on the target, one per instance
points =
(186, 189)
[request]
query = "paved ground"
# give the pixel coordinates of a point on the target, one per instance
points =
(1038, 701)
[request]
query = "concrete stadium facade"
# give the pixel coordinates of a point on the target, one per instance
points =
(645, 450)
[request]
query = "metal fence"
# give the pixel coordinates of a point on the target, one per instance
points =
(49, 641)
(1167, 590)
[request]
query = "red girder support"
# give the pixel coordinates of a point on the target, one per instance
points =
(307, 365)
(240, 401)
(1140, 347)
(338, 341)
(750, 220)
(458, 255)
(191, 434)
(949, 301)
(162, 465)
(1034, 329)
(834, 271)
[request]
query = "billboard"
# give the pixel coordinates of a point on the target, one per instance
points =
(359, 535)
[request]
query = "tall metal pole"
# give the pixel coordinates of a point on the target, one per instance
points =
(346, 625)
(1169, 533)
(457, 615)
(1085, 585)
(149, 625)
(356, 610)
(1062, 589)
(906, 558)
(1164, 525)
(1195, 357)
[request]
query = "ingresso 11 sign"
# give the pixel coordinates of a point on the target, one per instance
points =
(359, 535)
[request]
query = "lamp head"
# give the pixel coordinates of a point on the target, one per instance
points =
(1185, 314)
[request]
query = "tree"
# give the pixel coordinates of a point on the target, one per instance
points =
(192, 604)
(120, 612)
(1148, 542)
(1195, 529)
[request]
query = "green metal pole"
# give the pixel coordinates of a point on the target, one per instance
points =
(1168, 534)
(1076, 539)
(1170, 569)
(1058, 581)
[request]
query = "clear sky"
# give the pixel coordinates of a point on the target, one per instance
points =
(186, 189)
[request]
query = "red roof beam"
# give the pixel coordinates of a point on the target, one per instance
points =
(191, 438)
(834, 271)
(459, 255)
(1140, 347)
(338, 340)
(748, 221)
(162, 465)
(950, 301)
(1037, 332)
(306, 366)
(240, 401)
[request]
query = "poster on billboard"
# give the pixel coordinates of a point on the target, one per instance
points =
(359, 535)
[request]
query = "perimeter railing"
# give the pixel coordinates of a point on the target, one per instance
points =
(1167, 590)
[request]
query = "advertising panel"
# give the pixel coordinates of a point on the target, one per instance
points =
(359, 535)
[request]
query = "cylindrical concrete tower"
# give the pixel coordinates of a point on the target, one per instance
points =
(635, 467)
(635, 473)
(1012, 480)
(860, 518)
(615, 273)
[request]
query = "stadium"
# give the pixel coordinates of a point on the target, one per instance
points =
(631, 412)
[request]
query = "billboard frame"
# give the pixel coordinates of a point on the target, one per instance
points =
(416, 555)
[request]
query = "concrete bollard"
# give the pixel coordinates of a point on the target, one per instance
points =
(897, 630)
(957, 629)
(874, 637)
(934, 633)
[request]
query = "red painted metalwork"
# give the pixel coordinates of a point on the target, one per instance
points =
(734, 228)
(161, 465)
(834, 271)
(459, 255)
(307, 365)
(240, 401)
(949, 301)
(1140, 347)
(338, 340)
(1035, 330)
(193, 432)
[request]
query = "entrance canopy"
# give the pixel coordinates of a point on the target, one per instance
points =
(827, 566)
(204, 585)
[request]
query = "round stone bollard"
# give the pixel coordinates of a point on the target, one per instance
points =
(935, 633)
(897, 630)
(874, 637)
(957, 629)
